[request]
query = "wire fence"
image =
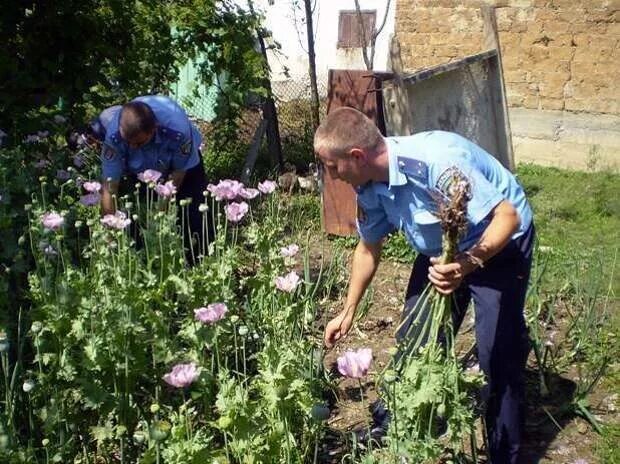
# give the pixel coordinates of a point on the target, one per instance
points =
(294, 112)
(293, 99)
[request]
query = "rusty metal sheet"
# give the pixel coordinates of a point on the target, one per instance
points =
(360, 90)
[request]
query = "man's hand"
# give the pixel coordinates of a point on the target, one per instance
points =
(177, 178)
(338, 328)
(447, 277)
(108, 194)
(504, 222)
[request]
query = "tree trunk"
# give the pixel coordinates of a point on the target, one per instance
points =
(269, 107)
(312, 65)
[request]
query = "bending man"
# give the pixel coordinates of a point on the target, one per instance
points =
(396, 179)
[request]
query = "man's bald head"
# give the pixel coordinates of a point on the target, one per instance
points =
(344, 129)
(137, 119)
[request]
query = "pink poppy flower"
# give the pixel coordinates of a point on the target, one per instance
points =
(92, 186)
(289, 251)
(355, 364)
(226, 189)
(166, 190)
(287, 283)
(52, 221)
(118, 220)
(182, 375)
(90, 199)
(150, 175)
(249, 193)
(236, 211)
(267, 186)
(211, 314)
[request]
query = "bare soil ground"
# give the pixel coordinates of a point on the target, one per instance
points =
(566, 441)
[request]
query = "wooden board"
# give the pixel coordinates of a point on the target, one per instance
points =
(360, 90)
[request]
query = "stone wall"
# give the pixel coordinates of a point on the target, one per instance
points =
(559, 57)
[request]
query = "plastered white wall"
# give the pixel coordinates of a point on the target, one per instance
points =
(286, 21)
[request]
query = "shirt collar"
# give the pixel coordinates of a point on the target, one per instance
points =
(395, 177)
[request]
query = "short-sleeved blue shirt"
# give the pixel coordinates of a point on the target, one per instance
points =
(419, 166)
(174, 146)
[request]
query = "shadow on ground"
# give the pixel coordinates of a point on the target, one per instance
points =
(545, 416)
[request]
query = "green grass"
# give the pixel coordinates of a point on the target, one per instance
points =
(607, 448)
(577, 217)
(573, 209)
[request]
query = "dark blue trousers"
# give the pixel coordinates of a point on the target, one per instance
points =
(498, 291)
(194, 183)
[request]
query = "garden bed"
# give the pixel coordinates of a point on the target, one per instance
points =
(116, 351)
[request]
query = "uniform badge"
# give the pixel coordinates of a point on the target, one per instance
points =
(361, 213)
(108, 152)
(186, 148)
(448, 180)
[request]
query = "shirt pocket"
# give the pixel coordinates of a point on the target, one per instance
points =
(427, 232)
(164, 159)
(135, 162)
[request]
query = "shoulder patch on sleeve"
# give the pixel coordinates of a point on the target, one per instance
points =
(186, 148)
(109, 152)
(413, 168)
(449, 179)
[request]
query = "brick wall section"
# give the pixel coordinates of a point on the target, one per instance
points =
(557, 54)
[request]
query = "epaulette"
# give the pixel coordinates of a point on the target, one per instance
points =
(413, 168)
(171, 134)
(116, 138)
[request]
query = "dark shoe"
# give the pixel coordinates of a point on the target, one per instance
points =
(374, 435)
(370, 437)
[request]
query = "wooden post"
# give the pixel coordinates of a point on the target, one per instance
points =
(269, 106)
(250, 159)
(398, 98)
(490, 40)
(314, 92)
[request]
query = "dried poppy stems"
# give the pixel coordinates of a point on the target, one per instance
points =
(425, 366)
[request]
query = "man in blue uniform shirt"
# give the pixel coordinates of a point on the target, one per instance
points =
(153, 132)
(396, 179)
